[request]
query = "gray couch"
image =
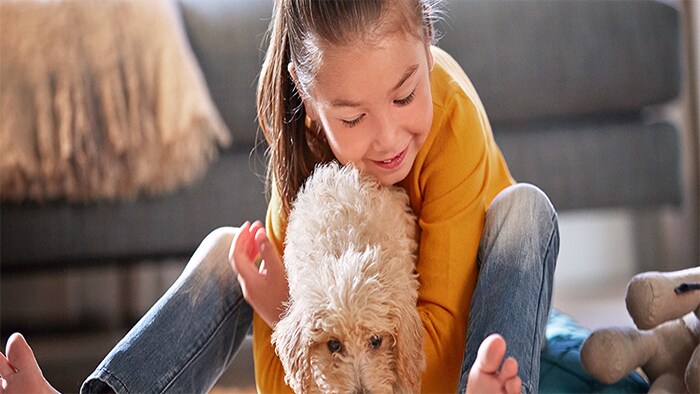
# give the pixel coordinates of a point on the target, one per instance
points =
(568, 86)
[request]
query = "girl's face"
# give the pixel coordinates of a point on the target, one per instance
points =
(374, 104)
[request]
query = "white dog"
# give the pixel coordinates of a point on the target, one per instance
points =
(351, 324)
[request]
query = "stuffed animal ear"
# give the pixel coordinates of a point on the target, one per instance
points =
(292, 343)
(410, 359)
(652, 297)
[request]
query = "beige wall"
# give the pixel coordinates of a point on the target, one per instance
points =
(679, 229)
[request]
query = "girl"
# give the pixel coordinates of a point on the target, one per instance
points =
(359, 82)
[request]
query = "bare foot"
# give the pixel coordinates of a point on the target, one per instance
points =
(19, 371)
(486, 377)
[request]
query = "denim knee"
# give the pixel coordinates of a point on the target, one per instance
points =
(521, 219)
(210, 263)
(213, 251)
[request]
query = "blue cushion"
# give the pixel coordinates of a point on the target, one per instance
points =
(561, 370)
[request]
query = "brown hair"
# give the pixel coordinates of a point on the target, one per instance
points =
(298, 30)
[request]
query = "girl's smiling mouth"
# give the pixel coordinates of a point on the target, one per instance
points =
(392, 163)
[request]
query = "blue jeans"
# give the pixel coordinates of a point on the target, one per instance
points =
(185, 342)
(517, 257)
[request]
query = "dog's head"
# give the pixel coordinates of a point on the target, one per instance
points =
(359, 333)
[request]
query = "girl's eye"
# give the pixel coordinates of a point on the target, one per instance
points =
(354, 122)
(406, 100)
(375, 341)
(334, 346)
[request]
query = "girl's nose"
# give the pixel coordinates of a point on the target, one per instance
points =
(386, 135)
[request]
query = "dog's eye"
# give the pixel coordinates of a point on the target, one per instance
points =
(375, 341)
(334, 346)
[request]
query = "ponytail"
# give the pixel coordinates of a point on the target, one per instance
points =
(294, 147)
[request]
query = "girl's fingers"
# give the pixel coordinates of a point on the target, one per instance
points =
(264, 286)
(255, 227)
(272, 260)
(241, 248)
(238, 238)
(254, 251)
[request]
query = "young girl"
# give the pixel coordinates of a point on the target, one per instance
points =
(359, 82)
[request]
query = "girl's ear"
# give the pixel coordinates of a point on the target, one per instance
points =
(308, 105)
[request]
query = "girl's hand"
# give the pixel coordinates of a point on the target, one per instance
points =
(265, 286)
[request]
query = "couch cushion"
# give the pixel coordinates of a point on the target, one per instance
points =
(563, 59)
(50, 235)
(606, 164)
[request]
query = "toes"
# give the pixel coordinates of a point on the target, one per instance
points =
(509, 370)
(508, 376)
(486, 376)
(20, 354)
(491, 354)
(6, 369)
(514, 385)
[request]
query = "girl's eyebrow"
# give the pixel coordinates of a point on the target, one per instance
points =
(410, 71)
(347, 103)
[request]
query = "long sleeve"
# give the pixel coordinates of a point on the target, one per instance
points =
(456, 175)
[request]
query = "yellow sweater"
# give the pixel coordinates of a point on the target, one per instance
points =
(456, 175)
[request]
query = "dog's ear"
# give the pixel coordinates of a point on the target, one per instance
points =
(410, 359)
(292, 342)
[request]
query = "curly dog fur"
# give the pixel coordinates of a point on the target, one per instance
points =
(351, 325)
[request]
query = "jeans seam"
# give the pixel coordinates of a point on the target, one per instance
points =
(536, 352)
(108, 372)
(204, 345)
